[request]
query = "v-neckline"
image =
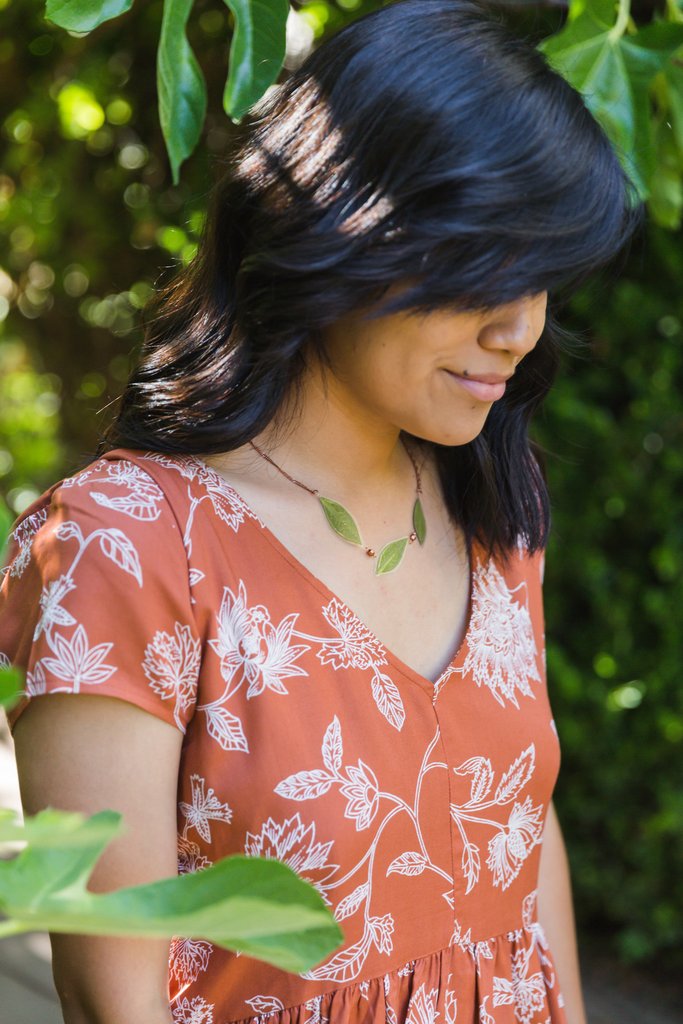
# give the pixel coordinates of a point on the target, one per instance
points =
(330, 595)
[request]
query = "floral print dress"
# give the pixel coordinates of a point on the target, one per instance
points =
(415, 808)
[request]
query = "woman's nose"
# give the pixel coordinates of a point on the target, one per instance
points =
(516, 326)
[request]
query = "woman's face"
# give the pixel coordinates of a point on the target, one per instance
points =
(433, 375)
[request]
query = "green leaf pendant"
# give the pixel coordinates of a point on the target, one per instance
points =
(419, 523)
(391, 556)
(341, 520)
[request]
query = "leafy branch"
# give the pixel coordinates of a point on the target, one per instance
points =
(255, 905)
(629, 75)
(257, 52)
(633, 84)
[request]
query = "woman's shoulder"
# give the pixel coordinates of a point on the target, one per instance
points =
(97, 593)
(114, 491)
(141, 484)
(135, 499)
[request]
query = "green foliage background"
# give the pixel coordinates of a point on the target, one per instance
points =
(92, 222)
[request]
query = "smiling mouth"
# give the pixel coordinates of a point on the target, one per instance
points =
(478, 388)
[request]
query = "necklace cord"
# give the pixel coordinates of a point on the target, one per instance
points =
(315, 491)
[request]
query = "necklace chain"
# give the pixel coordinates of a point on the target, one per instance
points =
(343, 523)
(314, 490)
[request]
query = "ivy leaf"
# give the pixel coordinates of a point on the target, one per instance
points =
(341, 520)
(255, 905)
(645, 56)
(84, 15)
(391, 555)
(181, 86)
(257, 52)
(419, 523)
(613, 72)
(674, 81)
(666, 201)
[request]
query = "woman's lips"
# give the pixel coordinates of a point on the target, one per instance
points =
(484, 392)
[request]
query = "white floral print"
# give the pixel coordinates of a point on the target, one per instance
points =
(356, 646)
(346, 965)
(76, 662)
(188, 958)
(205, 808)
(484, 1015)
(190, 857)
(249, 643)
(382, 929)
(50, 602)
(360, 786)
(526, 993)
(451, 1004)
(171, 665)
(512, 843)
(509, 848)
(193, 1011)
(36, 681)
(226, 503)
(225, 500)
(501, 649)
(141, 497)
(294, 843)
(422, 1008)
(533, 927)
(251, 648)
(265, 1004)
(23, 536)
(360, 789)
(316, 1016)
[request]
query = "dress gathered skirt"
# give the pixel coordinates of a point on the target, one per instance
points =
(415, 808)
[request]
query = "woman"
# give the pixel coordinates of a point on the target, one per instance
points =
(293, 606)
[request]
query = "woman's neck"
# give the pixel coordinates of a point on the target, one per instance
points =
(335, 441)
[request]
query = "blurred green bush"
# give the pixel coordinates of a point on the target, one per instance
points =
(614, 602)
(92, 224)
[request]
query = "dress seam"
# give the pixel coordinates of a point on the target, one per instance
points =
(305, 1003)
(454, 920)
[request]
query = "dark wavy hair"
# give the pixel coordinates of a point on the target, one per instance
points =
(423, 143)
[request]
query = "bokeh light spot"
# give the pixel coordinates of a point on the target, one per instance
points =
(119, 111)
(79, 112)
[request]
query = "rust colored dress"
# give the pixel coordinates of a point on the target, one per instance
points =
(416, 808)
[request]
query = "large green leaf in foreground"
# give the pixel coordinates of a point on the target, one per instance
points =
(252, 904)
(11, 686)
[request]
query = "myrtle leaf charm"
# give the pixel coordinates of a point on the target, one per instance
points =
(391, 556)
(419, 524)
(341, 520)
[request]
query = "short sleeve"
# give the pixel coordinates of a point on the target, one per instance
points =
(95, 597)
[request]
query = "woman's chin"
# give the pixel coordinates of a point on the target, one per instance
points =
(450, 436)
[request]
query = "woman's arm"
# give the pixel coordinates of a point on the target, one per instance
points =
(556, 916)
(88, 753)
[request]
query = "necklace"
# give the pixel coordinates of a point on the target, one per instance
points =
(346, 527)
